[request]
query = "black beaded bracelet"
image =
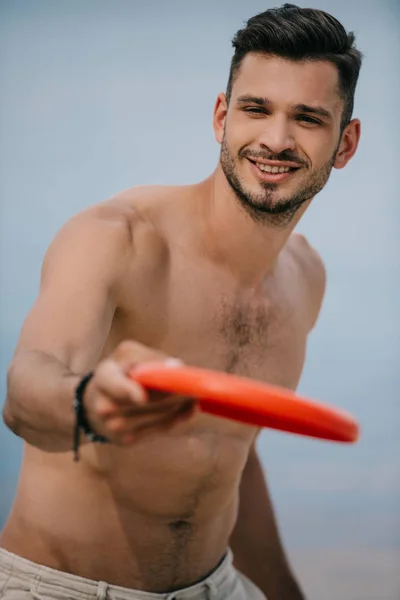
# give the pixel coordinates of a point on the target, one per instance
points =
(81, 422)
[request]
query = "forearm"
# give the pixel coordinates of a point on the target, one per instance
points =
(256, 544)
(39, 405)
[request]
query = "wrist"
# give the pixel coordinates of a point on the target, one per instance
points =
(82, 424)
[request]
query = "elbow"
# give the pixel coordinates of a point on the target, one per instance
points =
(9, 414)
(9, 417)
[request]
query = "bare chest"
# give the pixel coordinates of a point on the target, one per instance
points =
(198, 316)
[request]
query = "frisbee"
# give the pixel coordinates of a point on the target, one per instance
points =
(249, 401)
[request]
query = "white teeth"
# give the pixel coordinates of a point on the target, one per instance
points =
(269, 169)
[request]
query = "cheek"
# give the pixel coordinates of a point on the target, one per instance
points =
(240, 131)
(319, 147)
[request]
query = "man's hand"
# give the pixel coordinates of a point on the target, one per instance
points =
(122, 410)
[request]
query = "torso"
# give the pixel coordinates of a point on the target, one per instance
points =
(158, 515)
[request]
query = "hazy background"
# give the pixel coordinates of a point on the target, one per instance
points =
(98, 96)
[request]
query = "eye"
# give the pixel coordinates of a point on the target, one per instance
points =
(309, 120)
(255, 110)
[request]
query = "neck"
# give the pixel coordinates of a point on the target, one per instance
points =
(248, 248)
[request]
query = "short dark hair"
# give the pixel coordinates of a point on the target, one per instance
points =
(301, 34)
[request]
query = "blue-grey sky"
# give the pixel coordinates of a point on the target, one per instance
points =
(97, 96)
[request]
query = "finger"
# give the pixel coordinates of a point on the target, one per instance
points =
(107, 408)
(132, 437)
(177, 413)
(135, 423)
(121, 424)
(112, 382)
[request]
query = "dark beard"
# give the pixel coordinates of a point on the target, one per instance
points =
(262, 207)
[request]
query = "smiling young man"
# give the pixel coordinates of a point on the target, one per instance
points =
(210, 273)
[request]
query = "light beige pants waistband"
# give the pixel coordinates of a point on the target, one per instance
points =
(21, 579)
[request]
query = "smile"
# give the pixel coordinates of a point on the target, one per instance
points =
(270, 169)
(271, 173)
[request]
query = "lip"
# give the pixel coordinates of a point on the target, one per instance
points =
(271, 177)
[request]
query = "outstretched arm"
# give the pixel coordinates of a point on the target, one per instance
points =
(64, 333)
(256, 544)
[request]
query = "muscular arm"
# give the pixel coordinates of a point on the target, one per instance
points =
(255, 541)
(65, 331)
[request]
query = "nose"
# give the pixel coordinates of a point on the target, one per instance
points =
(276, 134)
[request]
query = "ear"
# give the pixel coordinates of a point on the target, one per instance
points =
(220, 110)
(348, 144)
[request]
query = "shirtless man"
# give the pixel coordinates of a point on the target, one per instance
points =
(211, 274)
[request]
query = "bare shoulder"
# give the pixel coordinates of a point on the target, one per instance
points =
(312, 270)
(94, 244)
(98, 232)
(112, 225)
(118, 240)
(308, 258)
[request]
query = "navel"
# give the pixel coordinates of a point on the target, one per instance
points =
(181, 526)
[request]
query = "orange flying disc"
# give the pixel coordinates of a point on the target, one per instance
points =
(249, 401)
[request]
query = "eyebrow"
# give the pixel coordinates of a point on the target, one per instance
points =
(301, 108)
(253, 100)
